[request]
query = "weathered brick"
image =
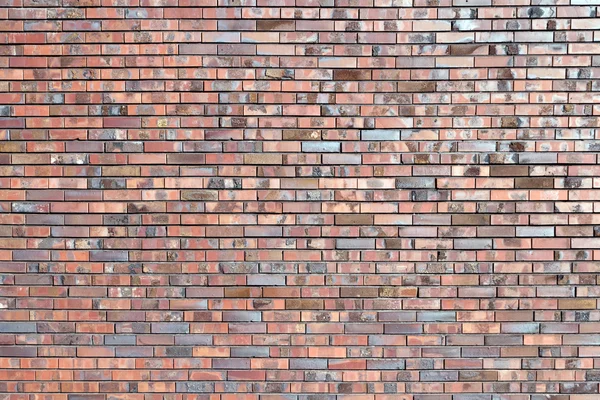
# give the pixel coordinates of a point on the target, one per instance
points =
(415, 183)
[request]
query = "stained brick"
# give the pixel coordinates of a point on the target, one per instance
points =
(415, 183)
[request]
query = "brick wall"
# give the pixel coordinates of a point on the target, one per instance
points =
(299, 199)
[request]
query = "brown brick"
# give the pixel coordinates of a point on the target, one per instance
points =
(470, 219)
(358, 292)
(534, 183)
(509, 170)
(354, 219)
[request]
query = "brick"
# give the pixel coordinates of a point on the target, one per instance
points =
(343, 159)
(364, 219)
(85, 397)
(355, 243)
(465, 244)
(415, 183)
(380, 134)
(509, 170)
(18, 327)
(308, 363)
(470, 219)
(309, 199)
(358, 292)
(321, 147)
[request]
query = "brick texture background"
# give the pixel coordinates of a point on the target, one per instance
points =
(299, 199)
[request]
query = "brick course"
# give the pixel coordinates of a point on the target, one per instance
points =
(299, 199)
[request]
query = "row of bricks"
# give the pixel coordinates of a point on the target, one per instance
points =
(484, 158)
(547, 309)
(378, 33)
(504, 277)
(206, 249)
(539, 76)
(178, 375)
(323, 389)
(509, 358)
(385, 68)
(414, 105)
(450, 26)
(436, 101)
(446, 92)
(508, 321)
(462, 286)
(211, 43)
(216, 391)
(283, 183)
(540, 79)
(531, 333)
(286, 11)
(468, 16)
(288, 47)
(132, 116)
(304, 255)
(257, 165)
(341, 363)
(554, 272)
(333, 389)
(291, 243)
(511, 116)
(202, 222)
(286, 3)
(421, 234)
(429, 359)
(220, 174)
(440, 328)
(331, 55)
(266, 210)
(207, 190)
(571, 322)
(200, 225)
(77, 237)
(94, 321)
(294, 304)
(369, 141)
(200, 60)
(317, 189)
(332, 118)
(311, 290)
(366, 127)
(314, 26)
(395, 155)
(304, 90)
(114, 169)
(560, 297)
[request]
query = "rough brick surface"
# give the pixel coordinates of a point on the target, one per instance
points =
(299, 199)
